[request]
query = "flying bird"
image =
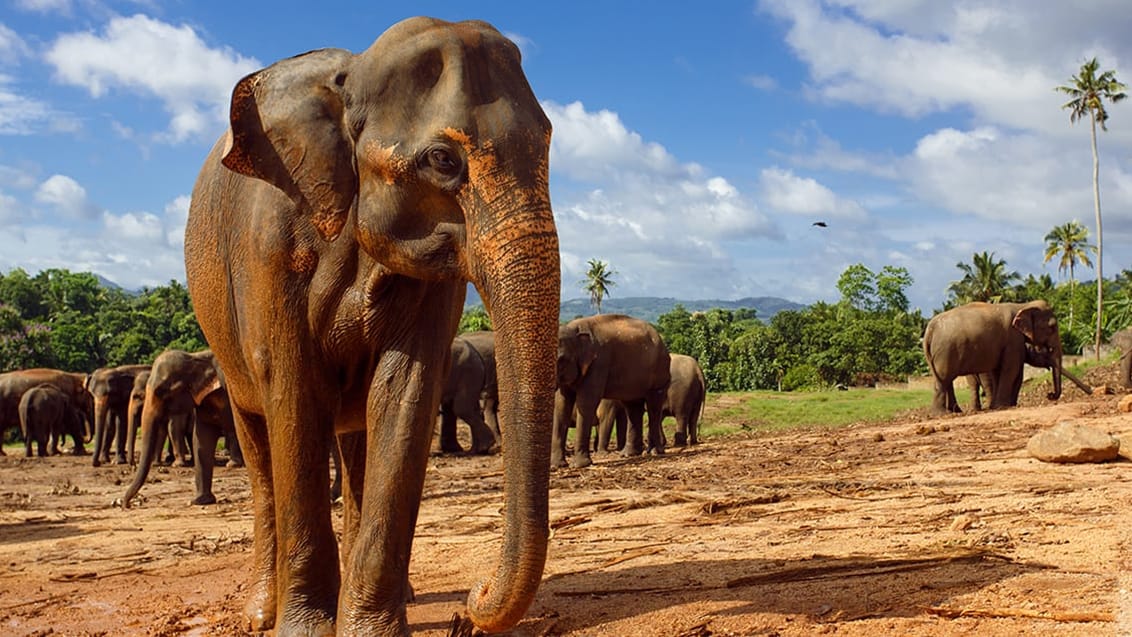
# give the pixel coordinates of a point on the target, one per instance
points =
(820, 224)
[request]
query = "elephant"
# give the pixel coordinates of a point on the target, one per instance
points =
(13, 385)
(110, 387)
(47, 415)
(687, 393)
(609, 356)
(186, 383)
(332, 234)
(990, 339)
(469, 394)
(981, 383)
(1123, 340)
(180, 427)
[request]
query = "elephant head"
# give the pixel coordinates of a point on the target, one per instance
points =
(177, 383)
(425, 156)
(1038, 324)
(576, 352)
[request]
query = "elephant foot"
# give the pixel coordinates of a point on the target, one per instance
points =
(557, 461)
(206, 498)
(581, 460)
(681, 439)
(259, 611)
(656, 451)
(631, 452)
(311, 628)
(233, 464)
(120, 460)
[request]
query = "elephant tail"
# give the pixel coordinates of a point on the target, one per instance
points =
(928, 349)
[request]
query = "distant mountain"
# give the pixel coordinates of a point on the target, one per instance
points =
(650, 308)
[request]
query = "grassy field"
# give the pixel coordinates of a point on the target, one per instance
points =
(770, 410)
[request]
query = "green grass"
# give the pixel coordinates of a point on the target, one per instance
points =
(775, 411)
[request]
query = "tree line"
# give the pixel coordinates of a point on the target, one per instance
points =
(70, 320)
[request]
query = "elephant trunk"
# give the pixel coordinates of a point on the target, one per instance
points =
(151, 445)
(101, 423)
(515, 266)
(1055, 367)
(133, 420)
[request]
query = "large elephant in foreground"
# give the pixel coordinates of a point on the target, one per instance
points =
(331, 235)
(14, 384)
(110, 388)
(609, 356)
(184, 383)
(990, 339)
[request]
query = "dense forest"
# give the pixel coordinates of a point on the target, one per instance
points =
(72, 321)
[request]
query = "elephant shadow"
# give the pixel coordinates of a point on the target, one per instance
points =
(835, 588)
(36, 530)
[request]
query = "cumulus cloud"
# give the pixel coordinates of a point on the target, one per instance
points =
(661, 223)
(786, 192)
(22, 115)
(12, 46)
(919, 57)
(134, 226)
(66, 196)
(170, 63)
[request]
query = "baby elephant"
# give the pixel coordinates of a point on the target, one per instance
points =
(687, 393)
(45, 412)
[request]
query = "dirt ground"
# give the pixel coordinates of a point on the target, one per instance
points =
(913, 527)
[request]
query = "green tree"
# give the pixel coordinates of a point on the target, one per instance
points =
(984, 279)
(474, 319)
(892, 285)
(1088, 93)
(599, 278)
(1069, 242)
(857, 286)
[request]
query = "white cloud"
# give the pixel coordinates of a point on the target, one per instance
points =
(134, 226)
(1000, 59)
(151, 57)
(45, 6)
(176, 215)
(786, 192)
(659, 222)
(12, 46)
(21, 115)
(761, 82)
(67, 196)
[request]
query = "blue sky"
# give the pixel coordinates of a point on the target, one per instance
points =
(694, 143)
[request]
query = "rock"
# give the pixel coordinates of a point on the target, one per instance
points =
(1125, 404)
(1101, 390)
(1070, 442)
(963, 521)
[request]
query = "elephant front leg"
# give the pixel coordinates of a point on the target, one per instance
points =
(260, 608)
(205, 438)
(583, 432)
(118, 421)
(563, 408)
(448, 441)
(400, 421)
(655, 405)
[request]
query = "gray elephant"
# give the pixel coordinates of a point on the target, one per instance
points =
(980, 384)
(609, 356)
(110, 388)
(46, 416)
(471, 377)
(687, 393)
(13, 385)
(179, 381)
(179, 441)
(990, 339)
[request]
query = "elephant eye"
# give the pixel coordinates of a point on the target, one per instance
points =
(443, 161)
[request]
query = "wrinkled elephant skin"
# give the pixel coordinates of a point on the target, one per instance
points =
(330, 239)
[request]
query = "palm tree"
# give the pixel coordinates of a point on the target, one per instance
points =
(598, 280)
(1088, 93)
(1070, 241)
(984, 279)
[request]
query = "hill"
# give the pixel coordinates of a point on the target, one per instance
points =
(650, 308)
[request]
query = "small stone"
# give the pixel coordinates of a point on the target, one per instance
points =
(1071, 442)
(1101, 390)
(963, 521)
(878, 437)
(1125, 404)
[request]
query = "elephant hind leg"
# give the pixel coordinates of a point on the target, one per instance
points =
(260, 609)
(654, 402)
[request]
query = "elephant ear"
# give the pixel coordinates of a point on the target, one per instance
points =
(587, 350)
(1036, 324)
(288, 128)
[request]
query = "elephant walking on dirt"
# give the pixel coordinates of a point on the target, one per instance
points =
(180, 382)
(110, 388)
(46, 416)
(990, 339)
(471, 376)
(330, 239)
(687, 393)
(609, 356)
(14, 384)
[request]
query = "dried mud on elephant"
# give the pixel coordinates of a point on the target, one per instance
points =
(914, 527)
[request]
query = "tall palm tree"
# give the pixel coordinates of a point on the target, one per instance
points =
(984, 279)
(1088, 93)
(599, 278)
(1070, 241)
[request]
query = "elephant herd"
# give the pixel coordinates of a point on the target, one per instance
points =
(611, 370)
(180, 397)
